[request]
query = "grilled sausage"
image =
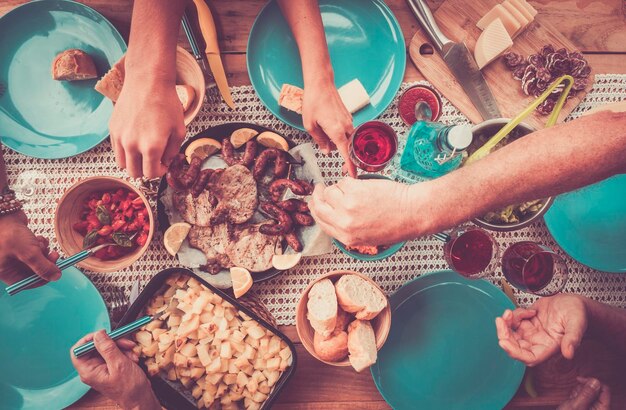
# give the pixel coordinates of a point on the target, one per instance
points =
(293, 241)
(263, 160)
(283, 225)
(293, 205)
(230, 156)
(278, 187)
(303, 219)
(202, 182)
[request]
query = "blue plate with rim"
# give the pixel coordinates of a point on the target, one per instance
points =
(590, 224)
(364, 41)
(42, 117)
(37, 329)
(442, 351)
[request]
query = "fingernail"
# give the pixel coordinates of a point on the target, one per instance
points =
(100, 336)
(594, 384)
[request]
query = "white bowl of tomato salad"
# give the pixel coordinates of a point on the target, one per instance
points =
(102, 210)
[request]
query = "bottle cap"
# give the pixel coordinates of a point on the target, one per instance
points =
(460, 137)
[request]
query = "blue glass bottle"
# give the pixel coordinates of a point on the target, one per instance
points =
(433, 149)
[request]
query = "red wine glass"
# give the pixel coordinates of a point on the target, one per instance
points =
(534, 268)
(471, 251)
(373, 145)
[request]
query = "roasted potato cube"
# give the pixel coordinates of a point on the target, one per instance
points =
(273, 363)
(144, 338)
(214, 378)
(188, 349)
(230, 378)
(215, 365)
(197, 372)
(256, 332)
(203, 354)
(197, 391)
(226, 350)
(150, 351)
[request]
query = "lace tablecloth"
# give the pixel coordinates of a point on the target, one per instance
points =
(282, 293)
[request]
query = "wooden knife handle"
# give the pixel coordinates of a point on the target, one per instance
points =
(207, 26)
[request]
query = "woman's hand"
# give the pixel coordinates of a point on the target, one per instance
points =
(113, 371)
(365, 212)
(328, 121)
(22, 253)
(147, 126)
(552, 323)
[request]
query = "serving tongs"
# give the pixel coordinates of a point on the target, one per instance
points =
(510, 126)
(62, 264)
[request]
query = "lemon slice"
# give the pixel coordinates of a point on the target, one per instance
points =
(286, 261)
(272, 140)
(241, 136)
(174, 237)
(202, 148)
(242, 281)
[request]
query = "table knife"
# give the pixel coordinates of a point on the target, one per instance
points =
(193, 42)
(212, 50)
(458, 58)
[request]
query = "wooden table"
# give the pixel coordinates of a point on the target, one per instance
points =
(597, 27)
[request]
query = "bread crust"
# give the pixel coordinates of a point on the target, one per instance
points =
(325, 325)
(331, 349)
(73, 65)
(361, 345)
(349, 305)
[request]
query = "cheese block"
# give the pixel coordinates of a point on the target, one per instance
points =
(494, 41)
(354, 96)
(530, 8)
(522, 9)
(518, 16)
(498, 11)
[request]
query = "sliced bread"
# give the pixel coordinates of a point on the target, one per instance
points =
(358, 296)
(361, 345)
(111, 84)
(72, 65)
(291, 98)
(322, 307)
(186, 95)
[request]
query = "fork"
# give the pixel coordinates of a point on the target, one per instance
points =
(212, 92)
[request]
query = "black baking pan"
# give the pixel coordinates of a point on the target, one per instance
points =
(219, 132)
(170, 394)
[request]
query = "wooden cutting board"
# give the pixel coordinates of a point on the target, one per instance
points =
(457, 19)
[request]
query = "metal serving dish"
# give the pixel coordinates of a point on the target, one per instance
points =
(174, 395)
(491, 127)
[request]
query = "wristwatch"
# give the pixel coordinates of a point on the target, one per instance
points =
(8, 202)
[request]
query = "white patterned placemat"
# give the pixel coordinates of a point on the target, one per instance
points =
(282, 293)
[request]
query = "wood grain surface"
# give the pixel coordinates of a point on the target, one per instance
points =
(597, 27)
(458, 22)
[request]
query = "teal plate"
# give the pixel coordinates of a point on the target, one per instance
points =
(37, 329)
(385, 253)
(364, 40)
(442, 351)
(39, 116)
(590, 224)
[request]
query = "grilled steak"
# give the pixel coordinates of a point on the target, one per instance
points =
(197, 211)
(236, 192)
(251, 249)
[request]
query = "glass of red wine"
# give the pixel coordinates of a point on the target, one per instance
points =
(373, 145)
(471, 251)
(534, 268)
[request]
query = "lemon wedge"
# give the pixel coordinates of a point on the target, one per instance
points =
(241, 136)
(242, 281)
(202, 148)
(174, 237)
(286, 261)
(272, 140)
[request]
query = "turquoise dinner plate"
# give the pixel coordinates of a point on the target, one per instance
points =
(442, 351)
(364, 40)
(39, 116)
(37, 329)
(590, 224)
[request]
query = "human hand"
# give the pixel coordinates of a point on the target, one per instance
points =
(364, 212)
(113, 371)
(533, 335)
(147, 126)
(589, 394)
(22, 253)
(328, 121)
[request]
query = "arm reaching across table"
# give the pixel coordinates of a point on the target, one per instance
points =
(21, 252)
(545, 163)
(324, 115)
(147, 124)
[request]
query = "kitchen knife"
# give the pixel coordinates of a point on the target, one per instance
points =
(212, 50)
(459, 60)
(194, 43)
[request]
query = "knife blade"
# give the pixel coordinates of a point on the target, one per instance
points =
(212, 50)
(458, 58)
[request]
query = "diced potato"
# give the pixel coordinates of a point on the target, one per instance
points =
(241, 362)
(156, 333)
(272, 377)
(144, 338)
(208, 399)
(189, 326)
(236, 336)
(221, 389)
(238, 347)
(285, 353)
(188, 349)
(197, 372)
(264, 388)
(186, 381)
(226, 350)
(171, 374)
(203, 354)
(215, 378)
(218, 311)
(193, 283)
(259, 397)
(230, 378)
(153, 368)
(174, 320)
(200, 303)
(261, 364)
(224, 365)
(180, 360)
(193, 335)
(184, 372)
(197, 391)
(242, 379)
(155, 324)
(252, 342)
(222, 335)
(252, 385)
(274, 346)
(229, 315)
(215, 365)
(151, 350)
(256, 332)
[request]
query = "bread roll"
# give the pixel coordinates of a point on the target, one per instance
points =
(291, 98)
(361, 345)
(331, 349)
(358, 296)
(322, 307)
(72, 65)
(186, 95)
(111, 84)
